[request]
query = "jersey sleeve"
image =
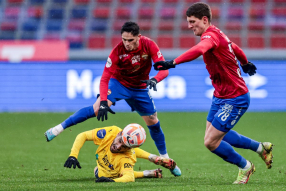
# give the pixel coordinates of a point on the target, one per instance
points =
(239, 54)
(195, 51)
(79, 142)
(109, 69)
(98, 135)
(157, 56)
(126, 171)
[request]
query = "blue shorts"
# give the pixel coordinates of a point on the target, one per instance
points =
(139, 100)
(225, 113)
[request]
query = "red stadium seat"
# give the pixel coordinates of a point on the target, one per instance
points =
(35, 12)
(168, 13)
(187, 41)
(255, 41)
(96, 41)
(236, 1)
(214, 1)
(278, 27)
(8, 26)
(104, 1)
(235, 12)
(117, 25)
(170, 1)
(148, 1)
(215, 12)
(166, 25)
(12, 12)
(280, 1)
(145, 25)
(15, 1)
(165, 41)
(81, 1)
(235, 38)
(278, 41)
(146, 13)
(279, 11)
(184, 26)
(233, 25)
(191, 1)
(258, 1)
(254, 25)
(115, 39)
(101, 12)
(255, 12)
(76, 24)
(52, 36)
(126, 1)
(123, 13)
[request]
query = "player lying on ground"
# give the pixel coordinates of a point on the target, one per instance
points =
(231, 97)
(116, 154)
(126, 77)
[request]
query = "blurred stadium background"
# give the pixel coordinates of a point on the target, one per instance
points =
(52, 53)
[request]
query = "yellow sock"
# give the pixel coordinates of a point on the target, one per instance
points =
(141, 153)
(138, 174)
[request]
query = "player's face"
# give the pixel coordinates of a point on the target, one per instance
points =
(130, 42)
(118, 146)
(198, 26)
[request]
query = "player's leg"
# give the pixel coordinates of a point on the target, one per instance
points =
(158, 160)
(143, 103)
(156, 173)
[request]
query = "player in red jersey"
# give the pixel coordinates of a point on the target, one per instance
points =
(126, 76)
(231, 97)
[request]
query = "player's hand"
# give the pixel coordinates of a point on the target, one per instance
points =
(164, 65)
(103, 109)
(151, 83)
(249, 68)
(104, 179)
(72, 161)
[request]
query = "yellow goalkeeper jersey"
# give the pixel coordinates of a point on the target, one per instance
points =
(118, 166)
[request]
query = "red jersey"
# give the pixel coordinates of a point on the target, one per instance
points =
(130, 67)
(221, 63)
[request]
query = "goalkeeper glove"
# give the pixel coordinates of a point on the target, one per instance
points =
(103, 109)
(104, 179)
(151, 83)
(249, 68)
(72, 161)
(164, 65)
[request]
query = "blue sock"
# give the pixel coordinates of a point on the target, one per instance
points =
(227, 153)
(158, 137)
(240, 141)
(79, 116)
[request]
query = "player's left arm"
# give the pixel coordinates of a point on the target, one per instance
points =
(126, 172)
(78, 143)
(247, 67)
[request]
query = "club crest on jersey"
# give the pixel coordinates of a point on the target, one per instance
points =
(144, 56)
(101, 133)
(108, 92)
(207, 36)
(108, 63)
(135, 59)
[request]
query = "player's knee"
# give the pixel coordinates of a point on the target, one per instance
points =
(209, 144)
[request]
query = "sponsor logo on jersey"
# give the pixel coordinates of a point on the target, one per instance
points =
(101, 133)
(127, 165)
(144, 56)
(159, 54)
(108, 63)
(108, 92)
(107, 163)
(135, 59)
(207, 36)
(123, 56)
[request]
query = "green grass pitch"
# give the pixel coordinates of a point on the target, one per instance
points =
(28, 162)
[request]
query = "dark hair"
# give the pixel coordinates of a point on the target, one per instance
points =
(199, 10)
(131, 27)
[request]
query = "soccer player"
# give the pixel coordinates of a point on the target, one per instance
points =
(231, 97)
(126, 76)
(115, 156)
